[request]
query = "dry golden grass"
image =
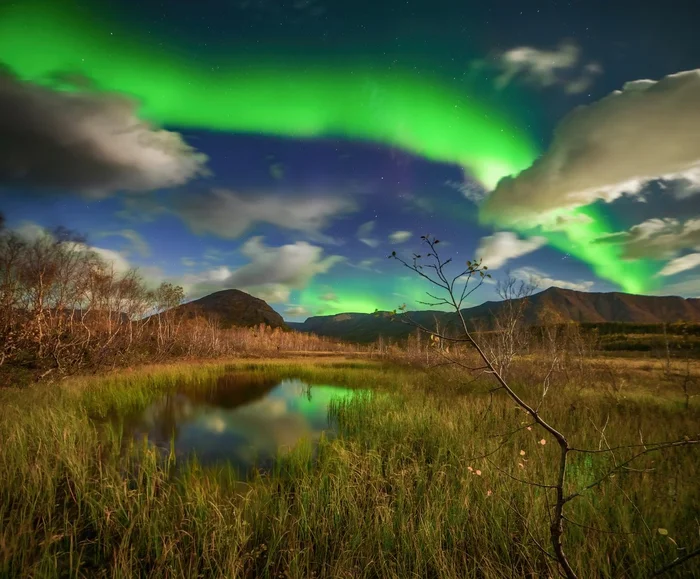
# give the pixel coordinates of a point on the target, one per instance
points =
(405, 491)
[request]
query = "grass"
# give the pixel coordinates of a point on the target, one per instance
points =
(401, 493)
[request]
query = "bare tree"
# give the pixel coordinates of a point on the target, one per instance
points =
(63, 309)
(509, 335)
(434, 270)
(165, 299)
(12, 334)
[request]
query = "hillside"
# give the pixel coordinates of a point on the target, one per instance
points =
(560, 305)
(233, 307)
(356, 327)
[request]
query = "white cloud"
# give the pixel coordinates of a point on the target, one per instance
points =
(539, 66)
(659, 238)
(543, 281)
(647, 131)
(296, 311)
(112, 258)
(469, 187)
(497, 249)
(579, 85)
(684, 263)
(219, 274)
(585, 81)
(366, 264)
(682, 188)
(545, 68)
(400, 236)
(271, 271)
(188, 261)
(272, 293)
(86, 141)
(153, 275)
(31, 231)
(689, 288)
(563, 222)
(328, 297)
(135, 239)
(364, 231)
(292, 264)
(229, 215)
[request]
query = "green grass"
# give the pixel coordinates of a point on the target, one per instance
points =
(397, 494)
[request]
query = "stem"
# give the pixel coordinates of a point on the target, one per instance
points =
(556, 529)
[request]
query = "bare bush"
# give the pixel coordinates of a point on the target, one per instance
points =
(505, 335)
(63, 310)
(434, 269)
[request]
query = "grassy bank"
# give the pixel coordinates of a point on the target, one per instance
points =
(418, 485)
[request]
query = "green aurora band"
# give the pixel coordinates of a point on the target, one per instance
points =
(580, 240)
(369, 292)
(397, 109)
(353, 296)
(407, 111)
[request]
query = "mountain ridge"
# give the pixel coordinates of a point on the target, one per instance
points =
(556, 304)
(233, 307)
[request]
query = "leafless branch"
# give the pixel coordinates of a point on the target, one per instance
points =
(619, 466)
(676, 562)
(520, 480)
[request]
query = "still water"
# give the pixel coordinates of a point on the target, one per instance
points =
(242, 420)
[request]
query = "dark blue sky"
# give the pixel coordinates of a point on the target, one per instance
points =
(307, 224)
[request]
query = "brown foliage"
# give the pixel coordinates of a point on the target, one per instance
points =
(64, 310)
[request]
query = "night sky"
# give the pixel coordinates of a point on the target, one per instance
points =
(287, 147)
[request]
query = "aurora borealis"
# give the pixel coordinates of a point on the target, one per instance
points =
(283, 154)
(392, 108)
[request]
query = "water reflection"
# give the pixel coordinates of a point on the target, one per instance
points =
(242, 420)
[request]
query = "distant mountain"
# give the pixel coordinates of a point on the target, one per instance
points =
(592, 307)
(557, 304)
(355, 327)
(233, 307)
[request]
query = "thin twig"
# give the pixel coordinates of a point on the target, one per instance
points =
(527, 482)
(524, 521)
(557, 526)
(628, 461)
(655, 445)
(675, 563)
(598, 530)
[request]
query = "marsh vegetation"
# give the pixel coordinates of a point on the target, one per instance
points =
(424, 479)
(499, 452)
(65, 310)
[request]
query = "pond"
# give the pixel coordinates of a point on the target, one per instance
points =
(240, 419)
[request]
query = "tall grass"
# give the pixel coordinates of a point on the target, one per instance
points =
(401, 492)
